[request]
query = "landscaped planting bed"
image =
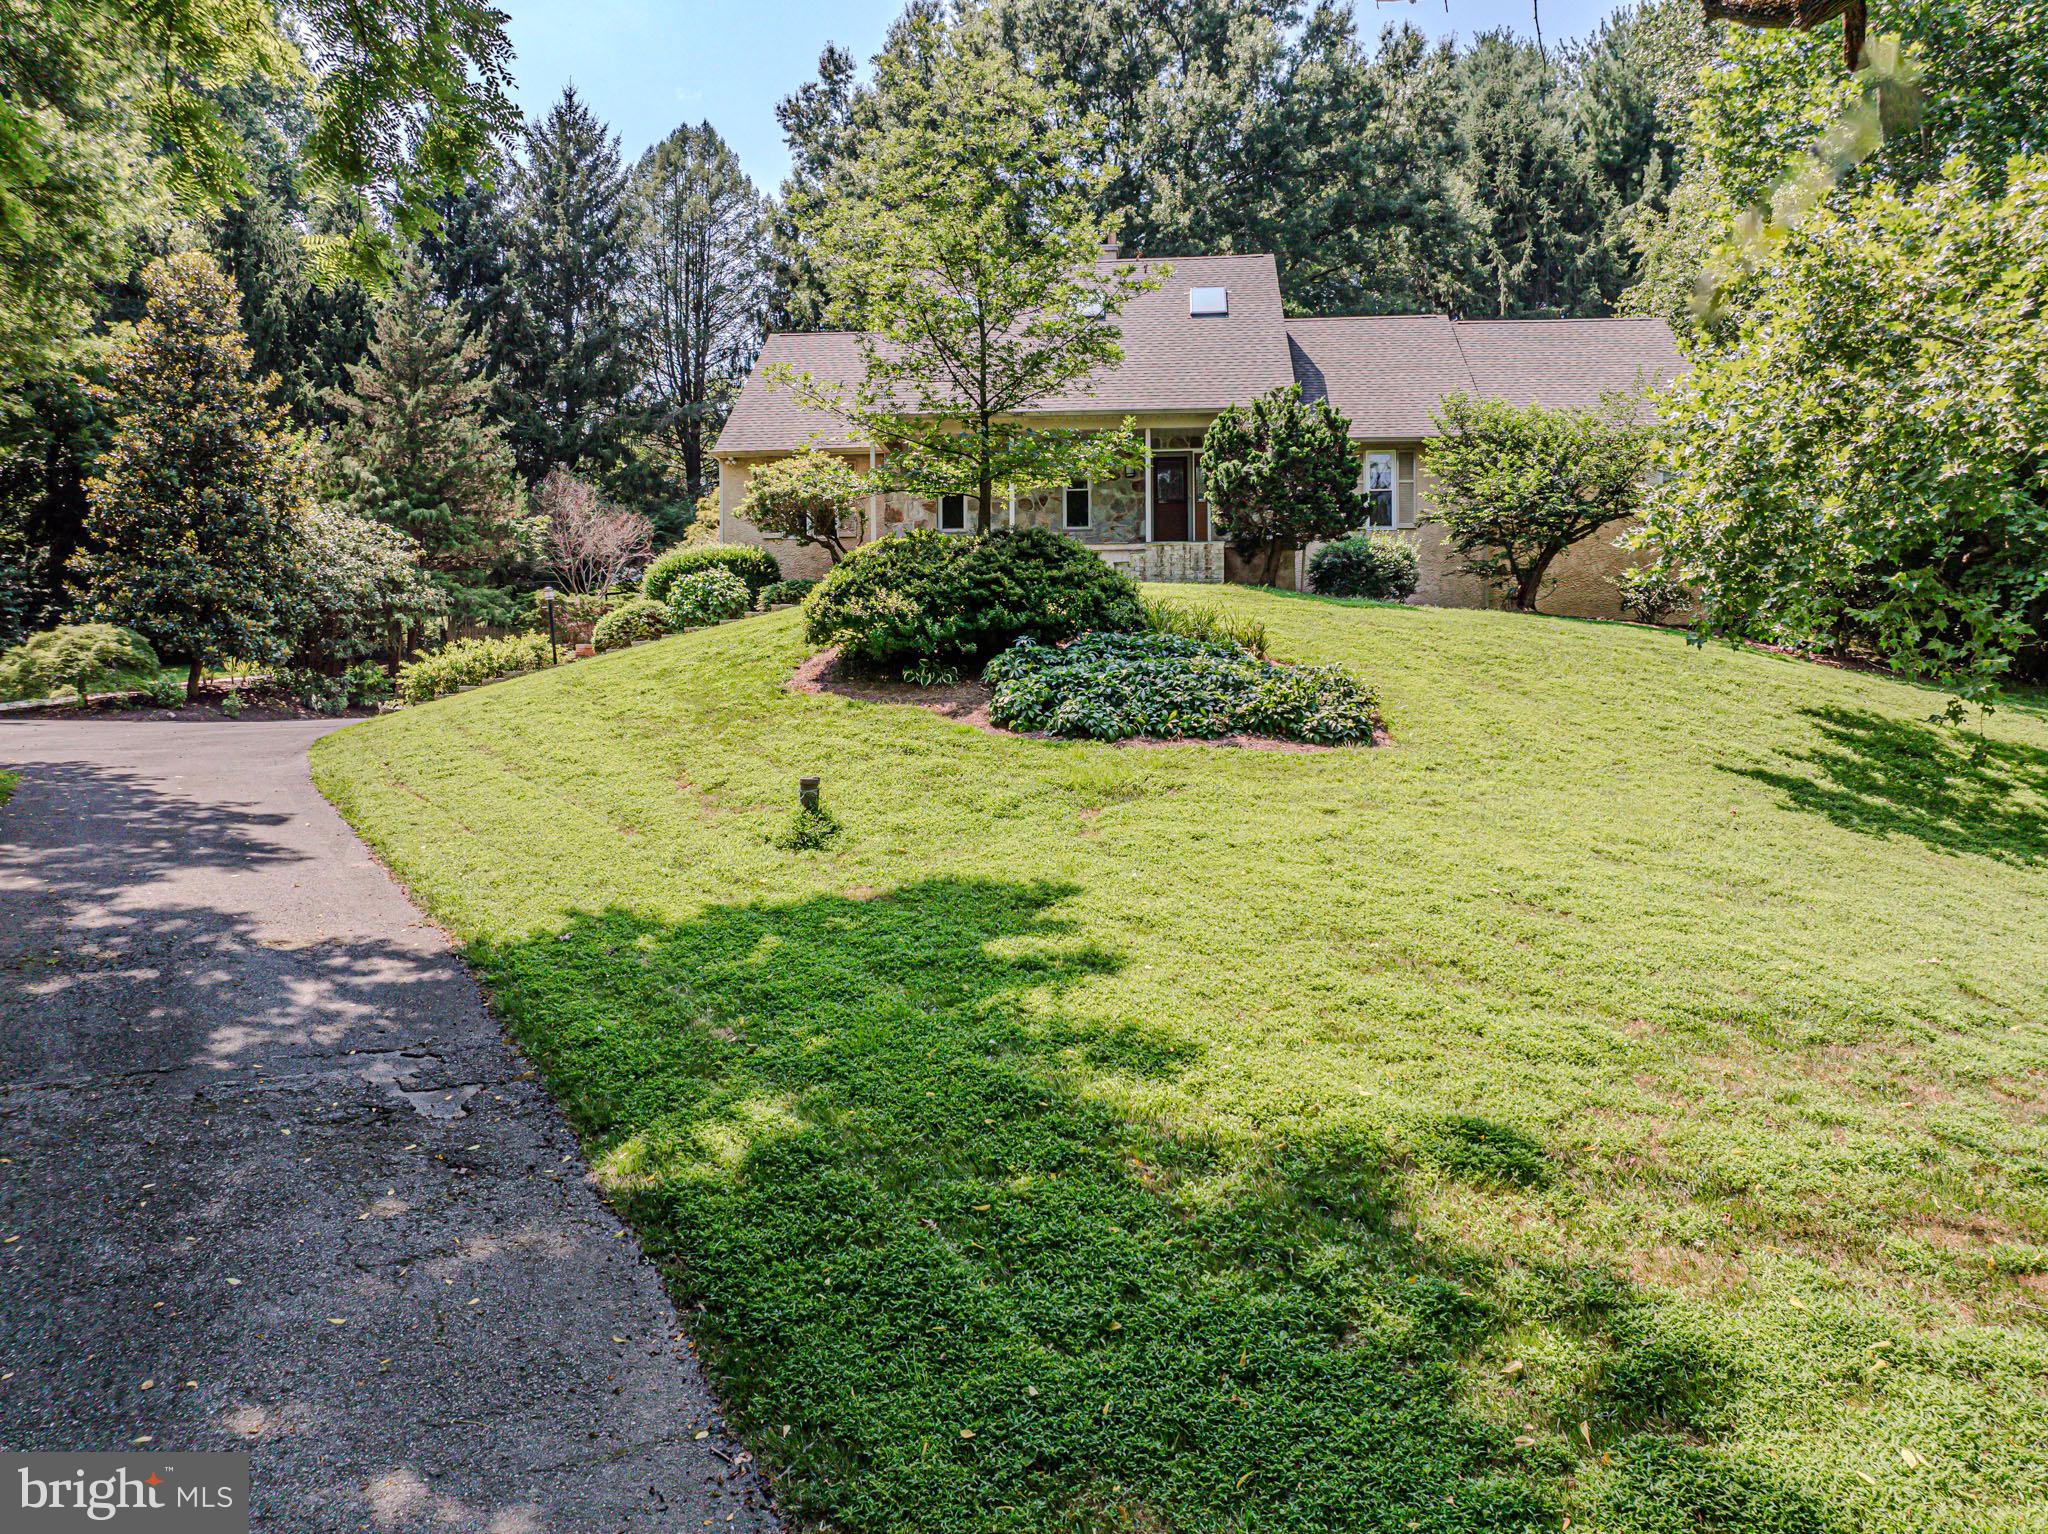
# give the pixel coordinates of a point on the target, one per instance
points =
(1120, 686)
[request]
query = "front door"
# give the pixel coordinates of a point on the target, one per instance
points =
(1170, 477)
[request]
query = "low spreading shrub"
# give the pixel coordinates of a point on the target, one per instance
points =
(757, 567)
(468, 662)
(1382, 569)
(1206, 621)
(1648, 595)
(1116, 686)
(84, 657)
(782, 593)
(706, 596)
(638, 619)
(953, 601)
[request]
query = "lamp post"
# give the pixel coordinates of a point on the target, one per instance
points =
(547, 595)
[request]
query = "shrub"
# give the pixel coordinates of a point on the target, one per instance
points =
(468, 662)
(1206, 622)
(706, 596)
(782, 593)
(1382, 569)
(365, 593)
(80, 656)
(958, 601)
(757, 567)
(360, 686)
(1648, 593)
(1115, 686)
(164, 692)
(637, 620)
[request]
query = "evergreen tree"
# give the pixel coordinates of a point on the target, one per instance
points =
(190, 537)
(817, 125)
(465, 253)
(568, 369)
(414, 447)
(699, 235)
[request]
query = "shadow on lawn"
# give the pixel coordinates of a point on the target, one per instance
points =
(948, 1284)
(1955, 791)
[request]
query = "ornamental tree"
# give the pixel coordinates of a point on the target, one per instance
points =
(1281, 474)
(1519, 484)
(81, 656)
(190, 532)
(590, 543)
(961, 241)
(1861, 466)
(809, 496)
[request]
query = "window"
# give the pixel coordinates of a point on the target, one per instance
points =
(1077, 504)
(1379, 489)
(952, 513)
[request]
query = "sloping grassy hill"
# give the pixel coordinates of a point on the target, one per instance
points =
(1621, 1099)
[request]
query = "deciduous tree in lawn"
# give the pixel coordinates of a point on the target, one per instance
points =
(189, 529)
(1519, 484)
(962, 244)
(1281, 475)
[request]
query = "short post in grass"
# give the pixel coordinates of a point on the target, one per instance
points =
(807, 794)
(547, 595)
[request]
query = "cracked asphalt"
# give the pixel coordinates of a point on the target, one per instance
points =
(275, 1181)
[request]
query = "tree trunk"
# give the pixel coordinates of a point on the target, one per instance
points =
(192, 678)
(986, 520)
(1531, 584)
(1273, 551)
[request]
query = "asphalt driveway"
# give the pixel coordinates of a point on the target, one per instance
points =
(273, 1179)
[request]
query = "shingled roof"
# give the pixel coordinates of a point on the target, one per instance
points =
(1387, 373)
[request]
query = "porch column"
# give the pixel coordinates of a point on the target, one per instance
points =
(1148, 484)
(874, 500)
(1013, 505)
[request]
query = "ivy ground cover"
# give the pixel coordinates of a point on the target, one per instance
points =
(1620, 1099)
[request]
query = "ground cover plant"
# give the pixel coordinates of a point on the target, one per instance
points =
(1652, 1039)
(1117, 686)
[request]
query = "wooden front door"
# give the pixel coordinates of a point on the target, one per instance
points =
(1171, 487)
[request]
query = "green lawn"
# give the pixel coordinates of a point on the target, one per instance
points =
(1620, 1099)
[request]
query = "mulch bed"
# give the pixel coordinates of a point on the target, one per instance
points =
(968, 703)
(208, 709)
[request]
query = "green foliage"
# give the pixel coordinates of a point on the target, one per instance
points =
(1207, 622)
(1649, 594)
(1517, 485)
(1468, 1146)
(192, 540)
(363, 685)
(699, 233)
(86, 657)
(1281, 474)
(1379, 569)
(783, 593)
(365, 594)
(962, 244)
(931, 596)
(1860, 466)
(629, 623)
(809, 830)
(470, 663)
(810, 496)
(1117, 686)
(706, 596)
(414, 446)
(1193, 983)
(1662, 1487)
(566, 366)
(755, 566)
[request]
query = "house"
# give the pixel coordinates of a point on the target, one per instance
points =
(1213, 334)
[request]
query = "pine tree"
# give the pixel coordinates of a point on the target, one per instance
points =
(190, 532)
(566, 380)
(699, 236)
(414, 448)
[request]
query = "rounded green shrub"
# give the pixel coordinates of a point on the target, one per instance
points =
(755, 566)
(630, 623)
(706, 596)
(1383, 569)
(81, 656)
(782, 593)
(927, 596)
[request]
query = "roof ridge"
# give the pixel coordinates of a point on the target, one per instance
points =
(1572, 319)
(1300, 319)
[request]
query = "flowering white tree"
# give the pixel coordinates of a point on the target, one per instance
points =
(590, 544)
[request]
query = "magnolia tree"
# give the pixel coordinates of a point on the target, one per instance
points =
(1517, 485)
(962, 244)
(1861, 465)
(1281, 474)
(589, 544)
(811, 497)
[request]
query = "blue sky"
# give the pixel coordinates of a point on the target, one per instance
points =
(647, 66)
